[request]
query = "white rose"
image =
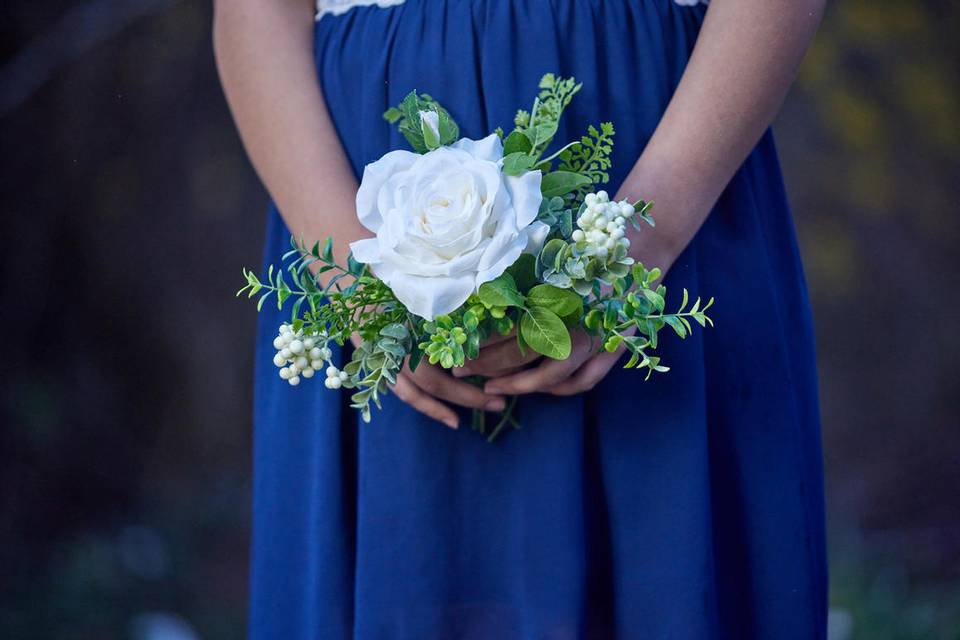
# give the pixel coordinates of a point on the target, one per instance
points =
(445, 222)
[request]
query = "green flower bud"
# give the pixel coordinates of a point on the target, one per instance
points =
(593, 318)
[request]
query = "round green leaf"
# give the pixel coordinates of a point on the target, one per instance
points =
(545, 333)
(559, 183)
(501, 292)
(517, 163)
(561, 301)
(516, 142)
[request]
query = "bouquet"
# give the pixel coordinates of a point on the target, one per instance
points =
(474, 238)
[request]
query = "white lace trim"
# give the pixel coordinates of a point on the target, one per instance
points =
(336, 7)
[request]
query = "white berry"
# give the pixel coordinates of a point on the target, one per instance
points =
(294, 381)
(296, 346)
(279, 360)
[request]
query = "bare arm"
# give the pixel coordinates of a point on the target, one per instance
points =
(744, 61)
(264, 51)
(264, 55)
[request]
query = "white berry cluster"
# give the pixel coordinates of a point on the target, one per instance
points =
(603, 224)
(335, 378)
(299, 355)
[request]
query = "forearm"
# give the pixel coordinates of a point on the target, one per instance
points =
(744, 61)
(264, 54)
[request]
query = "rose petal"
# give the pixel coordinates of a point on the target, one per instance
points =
(375, 175)
(366, 251)
(489, 148)
(502, 252)
(525, 195)
(424, 296)
(536, 234)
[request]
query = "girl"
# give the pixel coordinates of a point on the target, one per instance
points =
(689, 506)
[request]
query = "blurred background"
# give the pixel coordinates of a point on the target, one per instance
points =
(128, 205)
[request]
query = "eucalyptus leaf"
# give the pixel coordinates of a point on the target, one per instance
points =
(549, 253)
(396, 331)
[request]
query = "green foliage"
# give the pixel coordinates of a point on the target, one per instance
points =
(517, 163)
(569, 285)
(539, 125)
(616, 317)
(556, 213)
(560, 183)
(517, 142)
(562, 302)
(545, 332)
(523, 272)
(407, 118)
(591, 158)
(375, 365)
(501, 292)
(446, 344)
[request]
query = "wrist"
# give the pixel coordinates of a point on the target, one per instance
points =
(675, 210)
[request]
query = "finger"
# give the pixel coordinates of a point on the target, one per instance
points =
(440, 384)
(413, 396)
(547, 374)
(497, 338)
(587, 376)
(501, 373)
(494, 358)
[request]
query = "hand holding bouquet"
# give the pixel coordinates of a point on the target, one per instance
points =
(474, 238)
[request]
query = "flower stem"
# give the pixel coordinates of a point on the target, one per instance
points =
(506, 419)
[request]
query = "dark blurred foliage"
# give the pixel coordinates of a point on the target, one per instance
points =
(129, 207)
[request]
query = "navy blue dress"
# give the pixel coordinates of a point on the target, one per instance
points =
(689, 506)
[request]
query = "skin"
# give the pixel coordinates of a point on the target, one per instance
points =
(745, 58)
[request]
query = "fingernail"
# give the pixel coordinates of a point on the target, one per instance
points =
(453, 423)
(459, 372)
(492, 389)
(498, 404)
